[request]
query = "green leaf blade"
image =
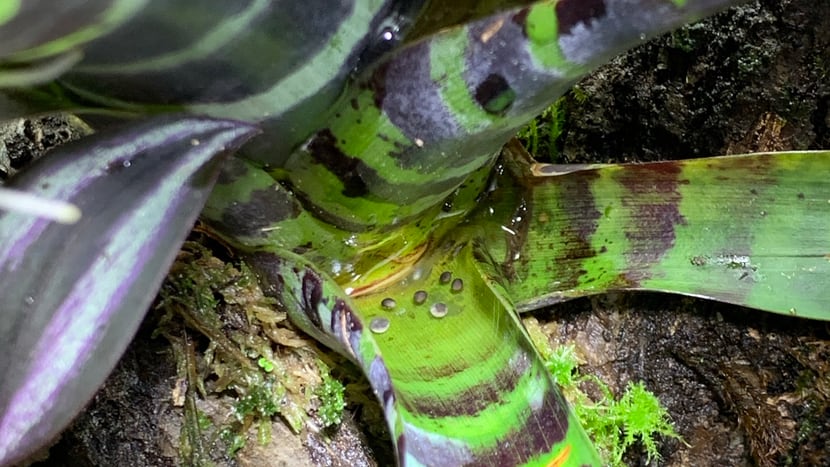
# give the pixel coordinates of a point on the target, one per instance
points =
(752, 230)
(493, 403)
(757, 233)
(454, 370)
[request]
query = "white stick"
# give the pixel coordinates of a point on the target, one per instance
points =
(27, 203)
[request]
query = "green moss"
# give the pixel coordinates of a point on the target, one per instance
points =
(754, 59)
(615, 425)
(332, 400)
(248, 351)
(265, 364)
(578, 94)
(233, 439)
(682, 39)
(639, 413)
(261, 400)
(822, 66)
(541, 135)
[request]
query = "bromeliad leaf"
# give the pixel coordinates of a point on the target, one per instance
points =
(39, 40)
(750, 230)
(492, 404)
(73, 295)
(309, 59)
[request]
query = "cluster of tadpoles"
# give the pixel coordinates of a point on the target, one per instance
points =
(437, 310)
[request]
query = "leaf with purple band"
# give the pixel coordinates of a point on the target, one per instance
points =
(752, 230)
(73, 295)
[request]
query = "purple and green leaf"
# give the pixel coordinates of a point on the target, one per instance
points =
(74, 294)
(752, 230)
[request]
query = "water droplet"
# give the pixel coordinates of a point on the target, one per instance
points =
(457, 285)
(127, 163)
(379, 325)
(417, 274)
(445, 277)
(388, 303)
(29, 300)
(420, 297)
(438, 310)
(351, 241)
(388, 36)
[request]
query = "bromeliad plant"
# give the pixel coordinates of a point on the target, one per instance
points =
(372, 204)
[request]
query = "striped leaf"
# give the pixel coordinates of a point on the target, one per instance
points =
(73, 295)
(412, 128)
(455, 372)
(751, 230)
(39, 39)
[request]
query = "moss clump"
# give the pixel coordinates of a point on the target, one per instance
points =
(617, 425)
(332, 401)
(614, 424)
(542, 135)
(231, 341)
